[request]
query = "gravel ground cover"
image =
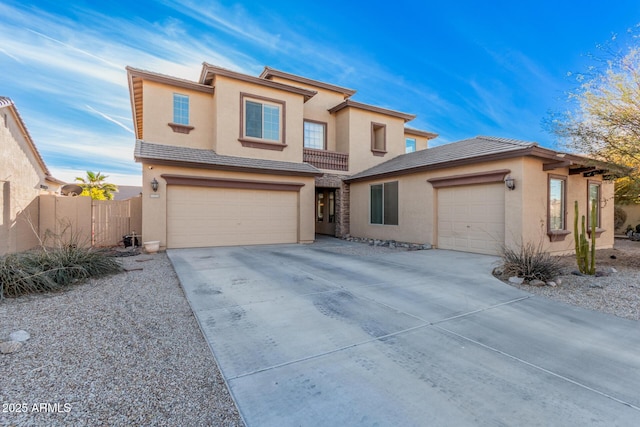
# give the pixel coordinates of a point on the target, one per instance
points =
(126, 349)
(116, 351)
(617, 293)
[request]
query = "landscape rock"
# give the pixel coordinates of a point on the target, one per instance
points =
(8, 347)
(552, 284)
(602, 273)
(537, 282)
(498, 271)
(516, 280)
(577, 273)
(19, 336)
(596, 285)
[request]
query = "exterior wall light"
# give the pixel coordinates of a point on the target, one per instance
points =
(510, 182)
(154, 185)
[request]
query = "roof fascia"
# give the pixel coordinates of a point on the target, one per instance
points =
(268, 72)
(230, 168)
(169, 80)
(207, 76)
(350, 103)
(418, 132)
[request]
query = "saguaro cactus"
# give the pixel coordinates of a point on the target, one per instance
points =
(585, 250)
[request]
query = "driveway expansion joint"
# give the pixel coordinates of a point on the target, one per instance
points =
(538, 367)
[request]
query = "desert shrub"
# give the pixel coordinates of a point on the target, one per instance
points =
(530, 261)
(619, 217)
(49, 270)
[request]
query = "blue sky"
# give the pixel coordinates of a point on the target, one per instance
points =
(465, 68)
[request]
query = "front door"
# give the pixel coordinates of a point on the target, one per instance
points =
(326, 211)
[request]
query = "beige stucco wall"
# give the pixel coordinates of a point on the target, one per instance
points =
(317, 108)
(158, 112)
(154, 209)
(633, 217)
(417, 222)
(535, 206)
(359, 138)
(422, 143)
(20, 180)
(525, 207)
(227, 129)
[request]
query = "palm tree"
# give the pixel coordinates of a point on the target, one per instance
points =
(93, 185)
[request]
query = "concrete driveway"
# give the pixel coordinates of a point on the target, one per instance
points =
(319, 335)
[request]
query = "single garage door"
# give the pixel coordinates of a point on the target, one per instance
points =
(205, 216)
(471, 218)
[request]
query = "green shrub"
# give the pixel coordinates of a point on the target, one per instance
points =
(619, 217)
(50, 270)
(530, 262)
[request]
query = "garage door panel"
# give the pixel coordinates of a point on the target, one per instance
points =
(202, 216)
(471, 218)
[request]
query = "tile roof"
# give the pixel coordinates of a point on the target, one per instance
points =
(208, 159)
(478, 147)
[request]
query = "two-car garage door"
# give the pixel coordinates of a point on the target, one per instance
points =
(471, 218)
(205, 216)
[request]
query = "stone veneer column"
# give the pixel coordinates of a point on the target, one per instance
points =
(342, 210)
(342, 200)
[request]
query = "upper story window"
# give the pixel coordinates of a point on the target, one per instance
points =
(315, 135)
(410, 145)
(180, 123)
(594, 197)
(378, 139)
(180, 109)
(262, 122)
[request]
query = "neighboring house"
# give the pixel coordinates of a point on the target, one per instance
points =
(23, 176)
(236, 159)
(126, 192)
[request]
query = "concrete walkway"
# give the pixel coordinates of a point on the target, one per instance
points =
(319, 335)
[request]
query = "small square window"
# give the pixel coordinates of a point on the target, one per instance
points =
(410, 145)
(378, 138)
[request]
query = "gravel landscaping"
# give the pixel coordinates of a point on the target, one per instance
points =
(116, 351)
(127, 350)
(617, 293)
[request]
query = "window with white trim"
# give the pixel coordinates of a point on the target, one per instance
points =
(180, 109)
(262, 120)
(314, 135)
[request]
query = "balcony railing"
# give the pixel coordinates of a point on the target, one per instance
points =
(323, 159)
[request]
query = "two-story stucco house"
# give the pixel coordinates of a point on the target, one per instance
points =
(23, 176)
(235, 159)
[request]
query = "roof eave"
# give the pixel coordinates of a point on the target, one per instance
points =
(269, 72)
(349, 103)
(418, 132)
(229, 168)
(207, 76)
